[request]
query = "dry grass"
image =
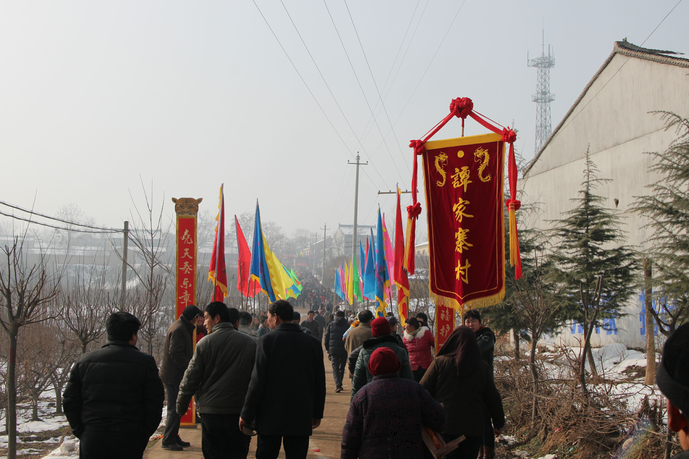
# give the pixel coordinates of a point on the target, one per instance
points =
(570, 424)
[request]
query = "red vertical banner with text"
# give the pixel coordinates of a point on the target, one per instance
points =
(444, 325)
(464, 201)
(185, 279)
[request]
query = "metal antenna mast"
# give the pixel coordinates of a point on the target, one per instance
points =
(543, 96)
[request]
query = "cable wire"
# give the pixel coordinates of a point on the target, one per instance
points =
(618, 70)
(302, 79)
(98, 229)
(60, 228)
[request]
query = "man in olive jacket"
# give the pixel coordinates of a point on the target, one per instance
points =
(114, 398)
(220, 371)
(382, 337)
(286, 396)
(177, 352)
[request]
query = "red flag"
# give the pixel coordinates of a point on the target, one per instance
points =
(249, 287)
(401, 279)
(217, 272)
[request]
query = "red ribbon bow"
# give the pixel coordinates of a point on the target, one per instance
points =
(414, 210)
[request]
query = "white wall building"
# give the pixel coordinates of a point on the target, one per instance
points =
(613, 118)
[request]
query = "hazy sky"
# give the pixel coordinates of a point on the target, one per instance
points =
(98, 97)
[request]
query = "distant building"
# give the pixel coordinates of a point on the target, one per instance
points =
(613, 118)
(342, 239)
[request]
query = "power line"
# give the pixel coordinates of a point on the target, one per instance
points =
(382, 103)
(618, 70)
(302, 79)
(61, 228)
(31, 212)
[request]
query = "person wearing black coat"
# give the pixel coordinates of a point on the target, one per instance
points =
(286, 395)
(177, 352)
(334, 346)
(114, 397)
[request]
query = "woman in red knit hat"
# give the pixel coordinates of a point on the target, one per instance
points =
(386, 415)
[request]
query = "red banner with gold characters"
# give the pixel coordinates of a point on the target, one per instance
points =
(444, 324)
(464, 202)
(185, 283)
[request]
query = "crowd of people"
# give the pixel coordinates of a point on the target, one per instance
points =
(265, 376)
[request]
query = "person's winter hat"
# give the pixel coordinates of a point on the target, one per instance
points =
(392, 320)
(673, 374)
(380, 327)
(191, 312)
(384, 361)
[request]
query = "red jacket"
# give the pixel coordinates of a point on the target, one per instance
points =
(419, 347)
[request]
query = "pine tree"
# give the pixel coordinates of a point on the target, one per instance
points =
(667, 208)
(590, 261)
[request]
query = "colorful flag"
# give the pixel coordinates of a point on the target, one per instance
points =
(350, 287)
(381, 270)
(343, 283)
(245, 284)
(401, 279)
(266, 268)
(369, 273)
(217, 273)
(356, 281)
(389, 252)
(295, 289)
(338, 283)
(362, 259)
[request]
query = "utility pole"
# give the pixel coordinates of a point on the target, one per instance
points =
(356, 205)
(325, 228)
(125, 246)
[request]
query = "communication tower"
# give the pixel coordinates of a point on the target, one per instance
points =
(543, 96)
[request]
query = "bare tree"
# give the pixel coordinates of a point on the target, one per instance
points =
(150, 237)
(534, 305)
(87, 303)
(35, 362)
(24, 293)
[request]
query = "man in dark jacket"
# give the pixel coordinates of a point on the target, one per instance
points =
(177, 352)
(484, 335)
(220, 371)
(313, 326)
(114, 398)
(335, 348)
(286, 395)
(486, 344)
(673, 381)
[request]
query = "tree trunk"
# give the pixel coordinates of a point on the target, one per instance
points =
(515, 332)
(534, 378)
(589, 355)
(650, 336)
(34, 408)
(12, 394)
(57, 386)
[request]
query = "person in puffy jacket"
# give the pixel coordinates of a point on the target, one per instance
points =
(335, 347)
(420, 343)
(219, 372)
(380, 328)
(114, 398)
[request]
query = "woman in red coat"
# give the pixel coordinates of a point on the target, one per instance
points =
(419, 342)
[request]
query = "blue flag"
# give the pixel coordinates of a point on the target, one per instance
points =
(369, 273)
(382, 279)
(338, 284)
